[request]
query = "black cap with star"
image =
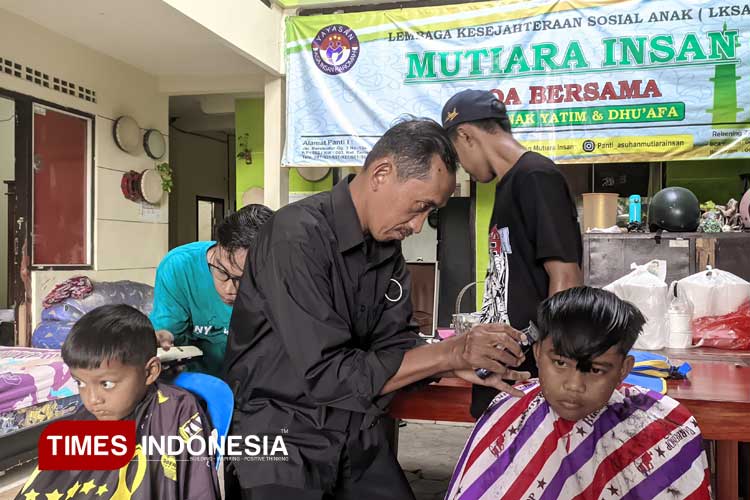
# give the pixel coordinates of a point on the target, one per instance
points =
(472, 105)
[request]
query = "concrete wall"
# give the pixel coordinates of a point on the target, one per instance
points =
(249, 118)
(249, 27)
(128, 243)
(200, 168)
(7, 173)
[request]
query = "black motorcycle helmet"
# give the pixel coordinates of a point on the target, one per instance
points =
(674, 209)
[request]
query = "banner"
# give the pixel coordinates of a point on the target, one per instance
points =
(583, 81)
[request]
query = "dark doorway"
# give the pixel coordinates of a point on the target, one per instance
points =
(455, 257)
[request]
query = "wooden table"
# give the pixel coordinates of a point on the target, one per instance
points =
(717, 392)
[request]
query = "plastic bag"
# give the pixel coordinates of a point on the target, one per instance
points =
(645, 287)
(729, 331)
(714, 292)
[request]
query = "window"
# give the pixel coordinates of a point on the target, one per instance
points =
(62, 177)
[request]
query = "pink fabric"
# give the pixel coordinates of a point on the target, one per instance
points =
(77, 287)
(446, 332)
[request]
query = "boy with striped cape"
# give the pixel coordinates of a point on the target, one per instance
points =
(579, 432)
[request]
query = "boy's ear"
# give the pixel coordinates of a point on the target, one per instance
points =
(153, 370)
(537, 350)
(627, 367)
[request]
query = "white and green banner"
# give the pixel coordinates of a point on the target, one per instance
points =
(583, 81)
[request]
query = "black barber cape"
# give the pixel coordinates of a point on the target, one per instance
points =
(313, 339)
(164, 411)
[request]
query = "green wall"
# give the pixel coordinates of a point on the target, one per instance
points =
(716, 180)
(485, 200)
(248, 118)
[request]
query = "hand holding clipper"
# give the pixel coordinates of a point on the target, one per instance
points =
(495, 347)
(530, 336)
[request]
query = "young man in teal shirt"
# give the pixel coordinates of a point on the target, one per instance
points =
(196, 285)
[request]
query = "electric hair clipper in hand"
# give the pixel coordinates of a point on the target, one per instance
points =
(531, 335)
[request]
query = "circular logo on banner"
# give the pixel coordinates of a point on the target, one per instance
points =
(335, 49)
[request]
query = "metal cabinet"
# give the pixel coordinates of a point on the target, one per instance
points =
(607, 257)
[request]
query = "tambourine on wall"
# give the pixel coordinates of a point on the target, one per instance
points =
(145, 185)
(127, 135)
(142, 186)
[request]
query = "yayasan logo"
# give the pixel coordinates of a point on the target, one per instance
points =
(335, 49)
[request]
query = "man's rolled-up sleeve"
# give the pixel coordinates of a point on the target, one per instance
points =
(298, 297)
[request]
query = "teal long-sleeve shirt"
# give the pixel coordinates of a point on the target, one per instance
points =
(187, 304)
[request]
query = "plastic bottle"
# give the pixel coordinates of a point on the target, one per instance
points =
(634, 212)
(680, 315)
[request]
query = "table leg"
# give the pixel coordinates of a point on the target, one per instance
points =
(727, 473)
(391, 430)
(745, 463)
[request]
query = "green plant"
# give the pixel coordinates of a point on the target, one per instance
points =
(244, 151)
(165, 172)
(708, 206)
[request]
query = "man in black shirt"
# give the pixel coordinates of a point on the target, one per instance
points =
(534, 238)
(321, 334)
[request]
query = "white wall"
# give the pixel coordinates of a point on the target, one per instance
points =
(127, 245)
(7, 173)
(201, 169)
(247, 26)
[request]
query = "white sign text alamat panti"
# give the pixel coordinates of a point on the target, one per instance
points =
(583, 81)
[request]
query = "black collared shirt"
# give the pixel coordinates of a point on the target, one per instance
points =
(321, 322)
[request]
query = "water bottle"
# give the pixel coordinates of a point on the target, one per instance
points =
(634, 214)
(680, 315)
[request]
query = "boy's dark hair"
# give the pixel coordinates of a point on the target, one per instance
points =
(412, 144)
(239, 230)
(584, 322)
(115, 332)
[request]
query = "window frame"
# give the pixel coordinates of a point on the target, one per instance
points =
(25, 117)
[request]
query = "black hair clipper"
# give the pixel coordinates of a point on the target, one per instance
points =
(531, 335)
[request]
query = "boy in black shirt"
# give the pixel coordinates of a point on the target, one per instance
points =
(534, 237)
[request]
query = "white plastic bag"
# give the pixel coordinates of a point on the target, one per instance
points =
(646, 288)
(714, 292)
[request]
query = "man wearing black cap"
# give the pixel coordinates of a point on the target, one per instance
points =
(534, 237)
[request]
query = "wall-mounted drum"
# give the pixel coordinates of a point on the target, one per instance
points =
(127, 134)
(142, 186)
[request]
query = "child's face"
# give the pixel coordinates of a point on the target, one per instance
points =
(574, 394)
(112, 391)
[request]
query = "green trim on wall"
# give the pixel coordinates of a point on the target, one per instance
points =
(298, 184)
(248, 118)
(485, 200)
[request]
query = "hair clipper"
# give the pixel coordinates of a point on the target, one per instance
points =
(531, 335)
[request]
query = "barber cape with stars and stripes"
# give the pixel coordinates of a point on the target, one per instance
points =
(641, 445)
(164, 411)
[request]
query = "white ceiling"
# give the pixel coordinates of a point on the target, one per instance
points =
(205, 113)
(147, 34)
